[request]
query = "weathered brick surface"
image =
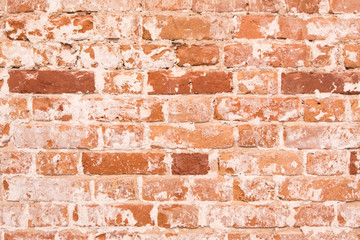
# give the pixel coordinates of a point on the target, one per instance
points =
(179, 119)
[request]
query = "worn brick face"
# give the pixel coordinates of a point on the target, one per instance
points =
(179, 119)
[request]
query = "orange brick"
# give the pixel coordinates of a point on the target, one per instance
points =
(254, 189)
(352, 56)
(329, 234)
(201, 136)
(324, 110)
(214, 189)
(256, 26)
(176, 215)
(190, 109)
(260, 162)
(258, 135)
(355, 110)
(349, 214)
(314, 214)
(115, 26)
(30, 27)
(234, 5)
(14, 6)
(115, 189)
(16, 54)
(57, 163)
(257, 82)
(195, 55)
(162, 189)
(344, 6)
(292, 28)
(327, 163)
(47, 214)
(122, 82)
(323, 56)
(105, 56)
(12, 214)
(251, 108)
(99, 5)
(15, 162)
(190, 164)
(72, 234)
(167, 5)
(29, 234)
(4, 134)
(123, 136)
(303, 6)
(354, 163)
(104, 163)
(54, 54)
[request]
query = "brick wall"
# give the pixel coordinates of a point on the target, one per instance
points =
(179, 119)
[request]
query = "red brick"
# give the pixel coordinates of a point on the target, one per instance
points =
(15, 162)
(252, 108)
(4, 134)
(167, 5)
(57, 163)
(15, 6)
(258, 135)
(325, 136)
(344, 6)
(123, 82)
(115, 26)
(186, 27)
(195, 82)
(354, 163)
(51, 81)
(316, 82)
(355, 110)
(99, 5)
(190, 109)
(324, 110)
(303, 6)
(113, 215)
(162, 189)
(54, 54)
(123, 136)
(12, 214)
(314, 214)
(256, 26)
(47, 214)
(320, 189)
(257, 82)
(260, 162)
(254, 189)
(190, 164)
(148, 56)
(55, 136)
(195, 55)
(115, 189)
(29, 234)
(101, 109)
(103, 163)
(235, 5)
(352, 56)
(247, 215)
(201, 136)
(349, 214)
(100, 55)
(267, 55)
(327, 163)
(176, 215)
(45, 189)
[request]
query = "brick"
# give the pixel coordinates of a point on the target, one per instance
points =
(281, 234)
(22, 188)
(256, 26)
(194, 82)
(341, 6)
(292, 28)
(324, 55)
(260, 162)
(70, 27)
(196, 55)
(57, 163)
(252, 108)
(148, 56)
(327, 163)
(115, 26)
(101, 109)
(190, 164)
(349, 214)
(31, 27)
(247, 215)
(47, 214)
(189, 28)
(15, 162)
(214, 189)
(55, 136)
(314, 214)
(320, 189)
(123, 136)
(113, 215)
(14, 6)
(267, 55)
(165, 136)
(104, 56)
(170, 234)
(72, 234)
(254, 189)
(354, 163)
(303, 6)
(13, 108)
(103, 163)
(123, 82)
(29, 234)
(257, 82)
(50, 81)
(352, 56)
(190, 109)
(323, 137)
(115, 189)
(16, 54)
(99, 5)
(235, 5)
(167, 5)
(258, 135)
(355, 110)
(316, 82)
(162, 189)
(12, 214)
(4, 134)
(55, 54)
(324, 110)
(329, 234)
(176, 215)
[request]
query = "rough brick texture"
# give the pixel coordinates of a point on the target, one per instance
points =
(179, 119)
